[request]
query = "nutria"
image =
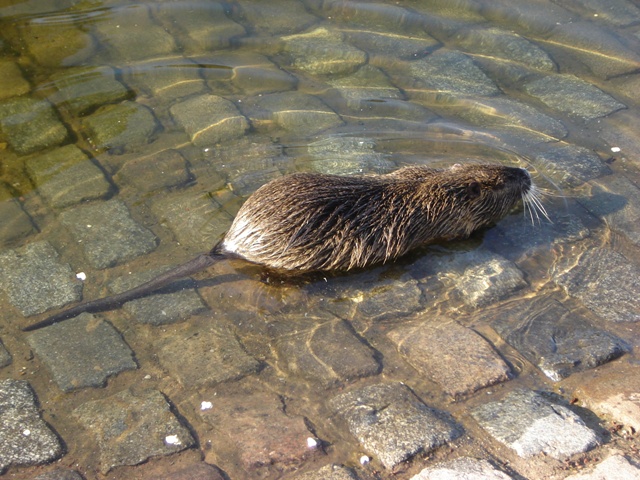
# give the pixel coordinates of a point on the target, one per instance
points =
(310, 221)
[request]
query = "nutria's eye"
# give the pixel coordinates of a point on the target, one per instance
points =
(473, 190)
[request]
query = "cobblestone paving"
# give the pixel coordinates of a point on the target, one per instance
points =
(131, 134)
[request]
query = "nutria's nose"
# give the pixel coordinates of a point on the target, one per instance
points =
(521, 176)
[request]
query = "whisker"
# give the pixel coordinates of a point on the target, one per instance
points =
(533, 202)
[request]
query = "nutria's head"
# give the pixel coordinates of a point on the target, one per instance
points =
(465, 197)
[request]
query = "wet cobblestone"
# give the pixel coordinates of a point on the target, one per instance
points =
(66, 176)
(324, 349)
(616, 467)
(29, 125)
(15, 223)
(5, 356)
(615, 299)
(261, 433)
(335, 56)
(28, 290)
(174, 303)
(12, 80)
(573, 96)
(392, 423)
(205, 357)
(193, 217)
(129, 34)
(462, 469)
(531, 425)
(556, 340)
(453, 356)
(82, 352)
(208, 119)
(108, 233)
(25, 439)
(158, 171)
(329, 472)
(83, 90)
(122, 127)
(131, 427)
(181, 111)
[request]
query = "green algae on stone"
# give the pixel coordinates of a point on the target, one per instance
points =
(66, 176)
(209, 119)
(29, 125)
(122, 127)
(12, 81)
(573, 96)
(82, 90)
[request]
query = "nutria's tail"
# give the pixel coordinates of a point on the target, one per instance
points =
(189, 268)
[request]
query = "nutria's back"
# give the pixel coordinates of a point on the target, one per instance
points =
(311, 221)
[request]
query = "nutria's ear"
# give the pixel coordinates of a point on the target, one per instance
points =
(473, 190)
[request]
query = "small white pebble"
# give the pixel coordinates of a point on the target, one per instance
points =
(172, 440)
(615, 149)
(26, 432)
(206, 405)
(81, 276)
(312, 442)
(364, 460)
(147, 377)
(89, 225)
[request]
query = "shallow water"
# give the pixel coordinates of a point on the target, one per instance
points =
(131, 133)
